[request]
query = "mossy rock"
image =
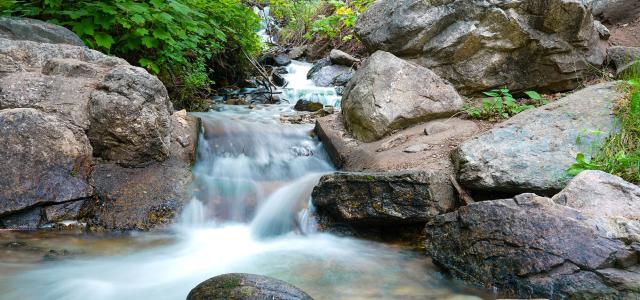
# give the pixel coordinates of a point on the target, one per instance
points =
(240, 286)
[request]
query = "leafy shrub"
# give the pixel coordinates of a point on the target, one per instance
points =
(620, 153)
(341, 22)
(500, 104)
(178, 40)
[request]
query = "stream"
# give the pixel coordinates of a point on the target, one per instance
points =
(250, 213)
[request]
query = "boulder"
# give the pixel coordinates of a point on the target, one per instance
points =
(388, 93)
(546, 45)
(149, 197)
(338, 57)
(304, 105)
(383, 199)
(332, 75)
(130, 117)
(46, 160)
(241, 286)
(317, 66)
(624, 59)
(37, 31)
(298, 52)
(531, 246)
(616, 11)
(531, 151)
(276, 60)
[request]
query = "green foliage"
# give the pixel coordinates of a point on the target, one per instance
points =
(341, 22)
(500, 104)
(620, 153)
(176, 39)
(297, 17)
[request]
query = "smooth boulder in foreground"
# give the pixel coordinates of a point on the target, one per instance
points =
(240, 286)
(388, 94)
(582, 244)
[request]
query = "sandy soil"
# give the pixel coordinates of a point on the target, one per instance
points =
(627, 34)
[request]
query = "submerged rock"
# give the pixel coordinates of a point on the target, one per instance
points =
(304, 105)
(37, 31)
(239, 286)
(531, 246)
(388, 93)
(383, 199)
(547, 45)
(531, 151)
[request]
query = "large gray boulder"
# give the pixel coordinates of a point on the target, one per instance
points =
(531, 151)
(616, 11)
(477, 45)
(533, 247)
(130, 117)
(388, 93)
(45, 160)
(240, 286)
(37, 31)
(61, 106)
(383, 199)
(332, 75)
(624, 59)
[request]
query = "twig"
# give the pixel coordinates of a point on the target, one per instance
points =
(464, 196)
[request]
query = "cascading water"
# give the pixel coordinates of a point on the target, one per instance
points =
(253, 180)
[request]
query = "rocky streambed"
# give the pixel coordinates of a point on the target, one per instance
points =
(93, 140)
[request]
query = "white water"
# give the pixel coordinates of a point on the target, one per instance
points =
(253, 181)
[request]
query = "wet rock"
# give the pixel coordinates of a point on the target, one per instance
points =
(145, 198)
(37, 31)
(298, 52)
(278, 80)
(241, 286)
(24, 220)
(332, 75)
(546, 45)
(62, 212)
(304, 105)
(276, 60)
(616, 11)
(388, 93)
(338, 57)
(46, 160)
(531, 151)
(317, 66)
(383, 199)
(624, 58)
(531, 246)
(130, 117)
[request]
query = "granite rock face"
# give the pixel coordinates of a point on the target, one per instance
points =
(388, 93)
(583, 244)
(477, 45)
(531, 151)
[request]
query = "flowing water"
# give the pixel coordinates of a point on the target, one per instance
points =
(250, 213)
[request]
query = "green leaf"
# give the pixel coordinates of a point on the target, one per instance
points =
(149, 42)
(103, 40)
(138, 19)
(142, 31)
(533, 95)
